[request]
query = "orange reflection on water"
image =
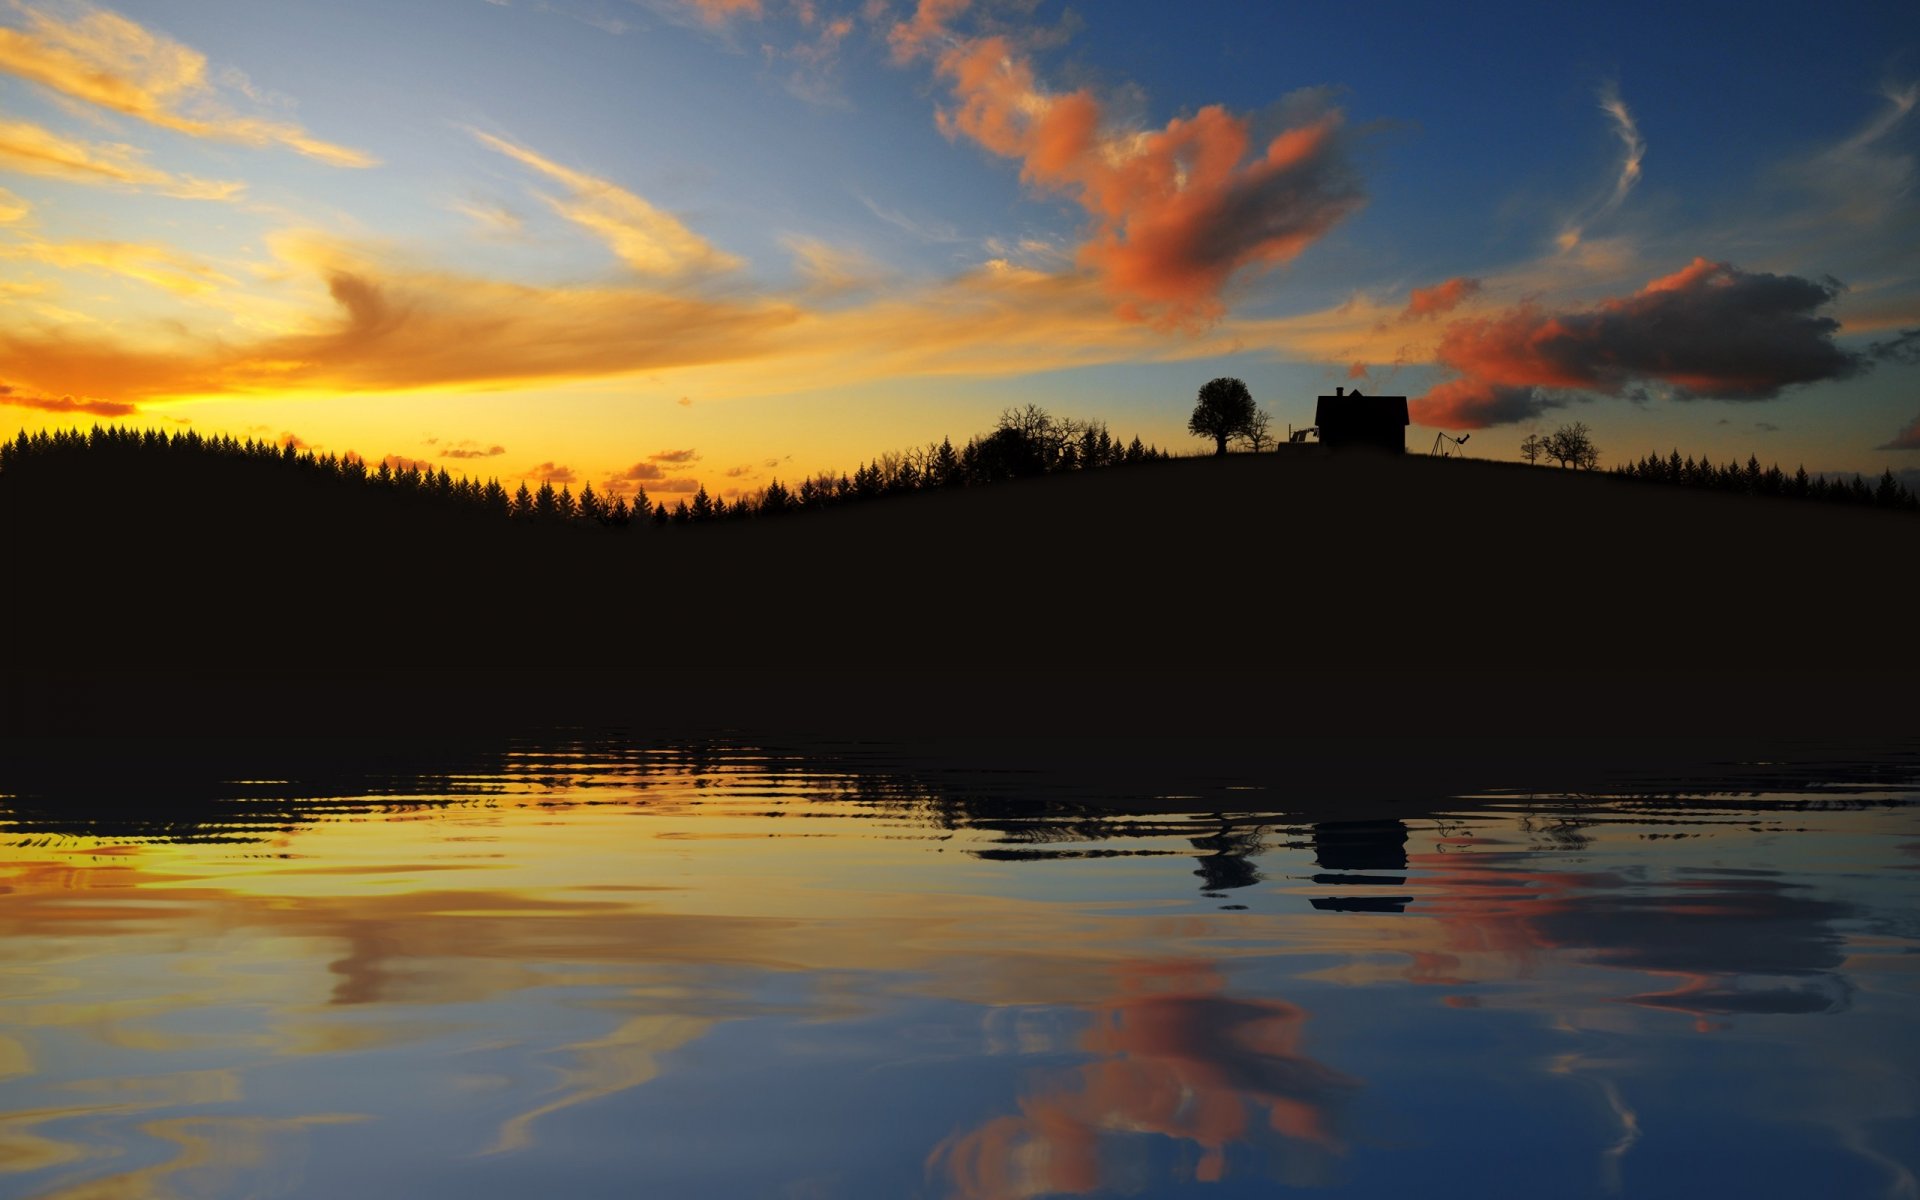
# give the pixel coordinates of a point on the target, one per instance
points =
(1177, 1057)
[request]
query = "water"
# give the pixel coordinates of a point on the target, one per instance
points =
(589, 970)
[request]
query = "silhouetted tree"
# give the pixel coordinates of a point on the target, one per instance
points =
(702, 509)
(1224, 410)
(1533, 449)
(945, 468)
(1572, 446)
(1259, 432)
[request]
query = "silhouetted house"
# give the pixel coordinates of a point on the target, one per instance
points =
(1348, 419)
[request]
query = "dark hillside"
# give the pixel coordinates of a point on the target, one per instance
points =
(1280, 594)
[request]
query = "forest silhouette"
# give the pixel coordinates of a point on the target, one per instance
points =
(1026, 442)
(184, 584)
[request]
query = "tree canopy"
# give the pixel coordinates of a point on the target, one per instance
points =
(1224, 410)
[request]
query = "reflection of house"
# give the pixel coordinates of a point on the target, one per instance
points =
(1347, 419)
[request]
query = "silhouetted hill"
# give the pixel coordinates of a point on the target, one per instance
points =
(1289, 594)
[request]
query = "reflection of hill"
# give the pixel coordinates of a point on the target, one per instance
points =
(1223, 803)
(1255, 595)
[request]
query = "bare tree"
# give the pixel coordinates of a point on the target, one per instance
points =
(1533, 449)
(1572, 446)
(1258, 434)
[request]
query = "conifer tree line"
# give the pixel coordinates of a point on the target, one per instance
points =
(1751, 480)
(1027, 442)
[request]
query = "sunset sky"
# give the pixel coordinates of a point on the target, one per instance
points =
(673, 242)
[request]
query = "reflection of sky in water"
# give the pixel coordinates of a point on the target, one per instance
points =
(711, 980)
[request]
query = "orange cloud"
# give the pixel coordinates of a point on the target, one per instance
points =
(34, 150)
(388, 325)
(1438, 299)
(12, 207)
(550, 472)
(25, 397)
(1707, 330)
(105, 59)
(1176, 212)
(397, 328)
(645, 238)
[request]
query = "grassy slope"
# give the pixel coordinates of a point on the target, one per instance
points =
(1279, 594)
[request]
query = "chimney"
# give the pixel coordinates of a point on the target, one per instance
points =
(1340, 391)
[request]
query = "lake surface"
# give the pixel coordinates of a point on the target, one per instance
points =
(588, 969)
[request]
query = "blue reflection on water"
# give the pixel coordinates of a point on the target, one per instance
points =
(591, 970)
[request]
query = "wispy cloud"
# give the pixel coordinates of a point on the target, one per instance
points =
(926, 230)
(1865, 178)
(645, 238)
(35, 150)
(157, 265)
(495, 219)
(104, 59)
(12, 208)
(1633, 149)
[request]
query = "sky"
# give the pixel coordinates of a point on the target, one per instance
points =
(684, 243)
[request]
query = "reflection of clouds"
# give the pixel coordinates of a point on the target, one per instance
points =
(1176, 1057)
(1737, 944)
(213, 1156)
(625, 1058)
(1624, 1115)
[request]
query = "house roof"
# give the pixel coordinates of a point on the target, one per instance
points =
(1353, 408)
